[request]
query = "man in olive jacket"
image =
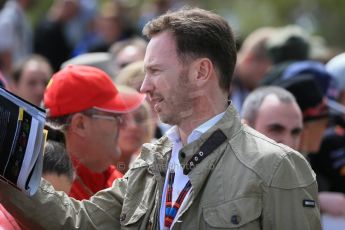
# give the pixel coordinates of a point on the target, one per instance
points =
(209, 171)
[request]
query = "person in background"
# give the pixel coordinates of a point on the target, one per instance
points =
(289, 50)
(83, 102)
(100, 60)
(316, 113)
(307, 80)
(57, 164)
(6, 64)
(126, 52)
(15, 24)
(336, 68)
(333, 137)
(284, 125)
(50, 39)
(314, 109)
(110, 27)
(252, 64)
(139, 129)
(79, 27)
(132, 75)
(16, 42)
(328, 163)
(31, 78)
(153, 9)
(209, 170)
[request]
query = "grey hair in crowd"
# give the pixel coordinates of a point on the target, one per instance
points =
(56, 160)
(254, 100)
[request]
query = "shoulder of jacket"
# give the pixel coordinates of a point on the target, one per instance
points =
(276, 164)
(160, 146)
(151, 152)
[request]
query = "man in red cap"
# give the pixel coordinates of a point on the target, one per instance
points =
(84, 103)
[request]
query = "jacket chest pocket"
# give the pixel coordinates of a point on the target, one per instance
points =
(243, 213)
(138, 206)
(131, 215)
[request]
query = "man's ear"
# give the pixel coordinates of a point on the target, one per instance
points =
(204, 69)
(78, 124)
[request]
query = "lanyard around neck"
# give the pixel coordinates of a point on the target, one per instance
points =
(171, 210)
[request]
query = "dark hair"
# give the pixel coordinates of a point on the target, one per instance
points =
(60, 123)
(199, 33)
(308, 94)
(54, 134)
(56, 159)
(289, 43)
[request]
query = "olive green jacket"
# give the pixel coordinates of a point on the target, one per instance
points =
(247, 182)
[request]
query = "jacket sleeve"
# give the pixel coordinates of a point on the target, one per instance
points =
(50, 209)
(291, 197)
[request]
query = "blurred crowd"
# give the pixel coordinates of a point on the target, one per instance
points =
(288, 85)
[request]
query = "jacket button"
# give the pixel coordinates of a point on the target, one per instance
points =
(123, 217)
(235, 219)
(182, 155)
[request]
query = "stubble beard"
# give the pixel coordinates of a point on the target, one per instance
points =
(180, 107)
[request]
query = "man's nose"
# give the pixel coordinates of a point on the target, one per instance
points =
(147, 85)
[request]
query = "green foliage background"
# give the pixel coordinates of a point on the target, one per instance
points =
(321, 17)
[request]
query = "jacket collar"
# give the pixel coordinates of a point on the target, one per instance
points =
(230, 125)
(160, 151)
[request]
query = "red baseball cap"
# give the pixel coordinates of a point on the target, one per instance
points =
(76, 88)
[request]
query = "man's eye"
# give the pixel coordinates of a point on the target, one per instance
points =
(155, 71)
(276, 129)
(296, 132)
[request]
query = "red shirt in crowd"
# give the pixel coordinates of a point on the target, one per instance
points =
(87, 183)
